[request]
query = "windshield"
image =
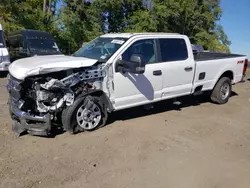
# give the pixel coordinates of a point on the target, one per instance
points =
(2, 42)
(101, 49)
(43, 47)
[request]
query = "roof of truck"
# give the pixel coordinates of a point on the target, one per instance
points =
(32, 33)
(128, 35)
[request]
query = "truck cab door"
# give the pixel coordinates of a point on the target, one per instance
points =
(138, 89)
(178, 72)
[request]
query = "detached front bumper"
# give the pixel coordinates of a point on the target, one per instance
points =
(24, 121)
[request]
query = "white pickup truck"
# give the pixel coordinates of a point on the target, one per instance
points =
(114, 72)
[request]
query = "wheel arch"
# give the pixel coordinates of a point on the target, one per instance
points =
(228, 73)
(103, 97)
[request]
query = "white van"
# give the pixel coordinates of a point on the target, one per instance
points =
(4, 55)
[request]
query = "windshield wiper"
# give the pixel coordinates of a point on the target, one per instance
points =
(102, 61)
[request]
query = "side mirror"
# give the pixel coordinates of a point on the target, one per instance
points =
(135, 65)
(23, 51)
(84, 43)
(20, 50)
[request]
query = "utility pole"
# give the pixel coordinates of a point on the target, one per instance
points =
(44, 5)
(49, 6)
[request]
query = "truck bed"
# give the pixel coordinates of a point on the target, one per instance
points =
(204, 56)
(210, 66)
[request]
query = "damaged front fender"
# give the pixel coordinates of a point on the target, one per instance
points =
(52, 95)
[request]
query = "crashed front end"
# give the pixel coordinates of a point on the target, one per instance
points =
(36, 103)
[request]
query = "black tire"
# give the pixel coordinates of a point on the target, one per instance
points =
(216, 95)
(69, 120)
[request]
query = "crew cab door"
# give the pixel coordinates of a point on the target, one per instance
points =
(137, 89)
(179, 66)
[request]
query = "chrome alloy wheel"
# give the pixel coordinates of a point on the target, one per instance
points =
(89, 118)
(224, 91)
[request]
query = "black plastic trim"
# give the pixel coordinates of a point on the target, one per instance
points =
(202, 75)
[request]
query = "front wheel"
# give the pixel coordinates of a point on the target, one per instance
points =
(86, 114)
(222, 91)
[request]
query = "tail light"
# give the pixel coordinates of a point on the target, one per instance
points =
(245, 66)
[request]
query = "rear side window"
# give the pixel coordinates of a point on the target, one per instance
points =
(173, 49)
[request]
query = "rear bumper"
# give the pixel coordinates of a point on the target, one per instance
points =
(25, 121)
(4, 66)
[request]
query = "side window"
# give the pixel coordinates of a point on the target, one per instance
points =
(25, 47)
(173, 49)
(13, 45)
(22, 45)
(144, 48)
(12, 42)
(16, 43)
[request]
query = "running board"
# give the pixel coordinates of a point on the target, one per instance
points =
(198, 93)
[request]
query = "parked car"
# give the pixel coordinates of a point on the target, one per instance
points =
(4, 55)
(28, 43)
(111, 73)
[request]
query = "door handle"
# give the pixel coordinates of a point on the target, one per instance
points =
(188, 68)
(157, 73)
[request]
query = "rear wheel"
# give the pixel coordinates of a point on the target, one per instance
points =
(86, 114)
(222, 91)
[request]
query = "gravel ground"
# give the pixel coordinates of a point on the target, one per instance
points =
(194, 145)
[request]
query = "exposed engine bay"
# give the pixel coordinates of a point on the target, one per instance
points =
(50, 93)
(53, 94)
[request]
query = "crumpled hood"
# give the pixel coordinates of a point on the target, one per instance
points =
(36, 65)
